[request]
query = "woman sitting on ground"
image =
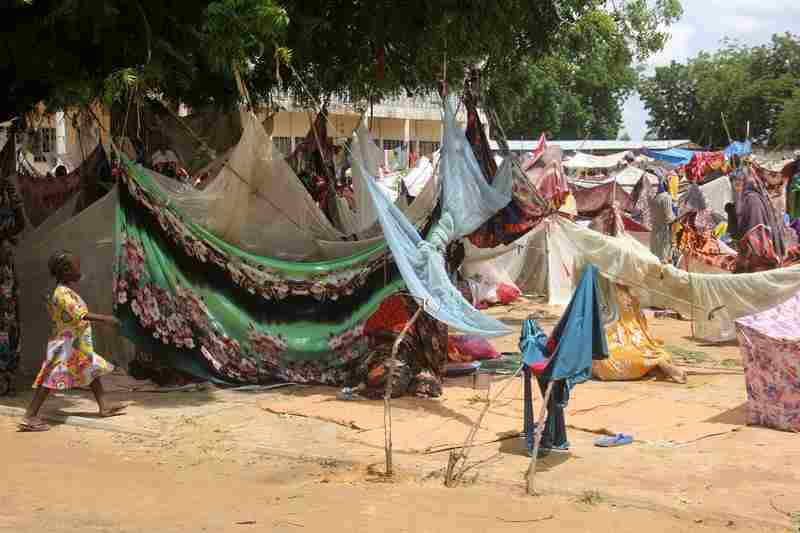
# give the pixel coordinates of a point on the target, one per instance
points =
(71, 360)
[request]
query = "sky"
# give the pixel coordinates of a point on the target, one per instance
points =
(703, 26)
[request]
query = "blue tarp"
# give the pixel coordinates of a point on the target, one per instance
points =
(738, 148)
(675, 156)
(468, 201)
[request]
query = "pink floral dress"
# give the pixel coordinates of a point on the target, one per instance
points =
(71, 360)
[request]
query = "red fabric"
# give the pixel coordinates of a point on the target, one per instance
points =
(704, 247)
(703, 163)
(392, 315)
(507, 293)
(756, 251)
(468, 348)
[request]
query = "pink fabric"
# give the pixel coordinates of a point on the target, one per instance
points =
(544, 170)
(593, 199)
(473, 348)
(770, 344)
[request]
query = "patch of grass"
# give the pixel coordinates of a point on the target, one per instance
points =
(730, 363)
(591, 497)
(690, 356)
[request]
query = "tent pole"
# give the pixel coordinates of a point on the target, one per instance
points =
(387, 395)
(537, 439)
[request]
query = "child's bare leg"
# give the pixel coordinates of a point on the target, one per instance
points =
(106, 408)
(32, 413)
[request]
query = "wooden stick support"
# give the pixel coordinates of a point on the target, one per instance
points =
(461, 454)
(387, 395)
(537, 439)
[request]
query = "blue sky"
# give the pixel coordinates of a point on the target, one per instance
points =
(704, 24)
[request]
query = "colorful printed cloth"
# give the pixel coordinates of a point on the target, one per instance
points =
(422, 353)
(71, 360)
(756, 251)
(633, 353)
(527, 207)
(770, 346)
(704, 163)
(703, 246)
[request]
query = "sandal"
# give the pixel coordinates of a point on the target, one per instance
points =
(31, 426)
(620, 439)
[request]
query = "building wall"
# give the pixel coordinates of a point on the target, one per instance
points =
(289, 127)
(68, 142)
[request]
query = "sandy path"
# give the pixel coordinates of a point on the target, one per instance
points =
(68, 481)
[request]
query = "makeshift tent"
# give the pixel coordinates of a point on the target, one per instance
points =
(592, 200)
(492, 272)
(770, 345)
(717, 194)
(43, 195)
(586, 161)
(549, 263)
(219, 311)
(217, 131)
(675, 156)
(545, 172)
(89, 234)
(738, 149)
(628, 177)
(703, 296)
(12, 224)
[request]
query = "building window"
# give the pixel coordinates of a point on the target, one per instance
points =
(391, 144)
(427, 148)
(282, 145)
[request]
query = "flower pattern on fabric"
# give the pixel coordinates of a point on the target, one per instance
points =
(701, 245)
(71, 360)
(253, 277)
(770, 345)
(182, 320)
(633, 353)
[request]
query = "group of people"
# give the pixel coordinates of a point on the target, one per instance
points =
(752, 224)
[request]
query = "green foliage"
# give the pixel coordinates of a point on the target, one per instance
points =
(70, 52)
(788, 128)
(755, 85)
(578, 88)
(562, 66)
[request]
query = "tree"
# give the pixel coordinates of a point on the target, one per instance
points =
(788, 123)
(624, 136)
(577, 90)
(578, 52)
(670, 97)
(70, 52)
(748, 85)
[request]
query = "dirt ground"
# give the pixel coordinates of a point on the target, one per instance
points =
(67, 481)
(296, 458)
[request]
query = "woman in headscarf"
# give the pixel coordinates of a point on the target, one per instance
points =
(662, 217)
(762, 244)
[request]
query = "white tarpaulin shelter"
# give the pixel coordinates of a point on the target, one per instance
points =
(581, 160)
(722, 297)
(629, 176)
